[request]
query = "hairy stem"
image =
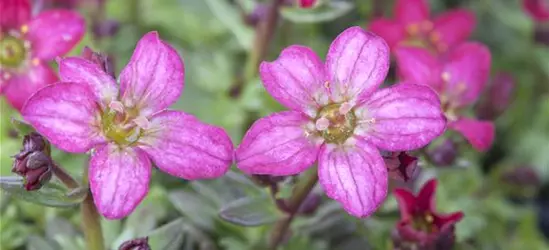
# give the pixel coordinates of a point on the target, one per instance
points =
(301, 192)
(64, 177)
(91, 222)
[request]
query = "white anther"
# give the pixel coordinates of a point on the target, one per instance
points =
(322, 124)
(142, 122)
(345, 108)
(116, 106)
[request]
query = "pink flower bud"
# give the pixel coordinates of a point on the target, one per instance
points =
(444, 154)
(497, 98)
(136, 244)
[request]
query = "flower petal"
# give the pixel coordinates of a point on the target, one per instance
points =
(66, 114)
(538, 9)
(455, 26)
(392, 31)
(14, 14)
(78, 70)
(401, 117)
(406, 203)
(418, 66)
(20, 87)
(154, 77)
(55, 32)
(357, 63)
(426, 197)
(411, 11)
(296, 79)
(183, 146)
(278, 145)
(119, 179)
(355, 176)
(468, 71)
(479, 133)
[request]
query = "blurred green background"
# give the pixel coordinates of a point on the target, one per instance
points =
(215, 43)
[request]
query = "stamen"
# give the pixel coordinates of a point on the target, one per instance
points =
(445, 76)
(427, 25)
(345, 108)
(434, 36)
(35, 61)
(24, 29)
(142, 122)
(413, 29)
(322, 124)
(116, 106)
(133, 136)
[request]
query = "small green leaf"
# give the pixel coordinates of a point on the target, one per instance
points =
(168, 237)
(250, 211)
(196, 208)
(52, 194)
(324, 13)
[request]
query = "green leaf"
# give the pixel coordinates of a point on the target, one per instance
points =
(52, 194)
(196, 208)
(39, 243)
(21, 126)
(229, 16)
(250, 211)
(324, 13)
(168, 237)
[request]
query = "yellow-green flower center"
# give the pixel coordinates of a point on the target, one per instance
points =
(336, 122)
(425, 223)
(12, 51)
(120, 127)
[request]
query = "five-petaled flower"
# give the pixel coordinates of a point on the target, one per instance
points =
(339, 118)
(419, 222)
(128, 125)
(537, 9)
(27, 44)
(459, 79)
(414, 26)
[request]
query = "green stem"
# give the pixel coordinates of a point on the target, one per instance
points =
(301, 192)
(91, 222)
(64, 177)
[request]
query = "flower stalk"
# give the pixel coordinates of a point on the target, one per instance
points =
(91, 222)
(301, 192)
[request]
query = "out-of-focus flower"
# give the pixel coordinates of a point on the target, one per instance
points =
(413, 26)
(106, 28)
(128, 126)
(537, 9)
(28, 43)
(136, 244)
(444, 154)
(33, 162)
(339, 118)
(420, 224)
(310, 204)
(521, 183)
(459, 78)
(401, 166)
(260, 11)
(497, 97)
(307, 3)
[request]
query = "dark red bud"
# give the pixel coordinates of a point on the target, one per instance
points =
(259, 12)
(497, 98)
(34, 142)
(444, 154)
(522, 176)
(33, 162)
(106, 28)
(36, 178)
(136, 244)
(401, 166)
(541, 34)
(310, 204)
(306, 3)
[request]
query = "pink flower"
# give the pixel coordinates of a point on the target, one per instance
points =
(459, 79)
(414, 26)
(307, 3)
(27, 44)
(419, 220)
(338, 117)
(537, 9)
(127, 126)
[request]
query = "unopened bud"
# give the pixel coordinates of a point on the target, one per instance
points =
(136, 244)
(498, 96)
(259, 13)
(106, 28)
(310, 204)
(267, 180)
(444, 154)
(35, 167)
(541, 34)
(401, 165)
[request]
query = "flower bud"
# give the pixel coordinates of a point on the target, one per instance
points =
(106, 28)
(259, 12)
(33, 162)
(136, 244)
(541, 34)
(497, 98)
(401, 165)
(310, 204)
(444, 154)
(521, 184)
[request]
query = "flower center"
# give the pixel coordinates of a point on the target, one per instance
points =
(12, 51)
(423, 35)
(122, 126)
(425, 223)
(336, 122)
